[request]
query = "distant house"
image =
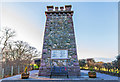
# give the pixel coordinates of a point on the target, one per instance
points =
(90, 60)
(36, 61)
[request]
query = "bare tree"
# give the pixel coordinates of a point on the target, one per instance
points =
(15, 53)
(7, 34)
(25, 51)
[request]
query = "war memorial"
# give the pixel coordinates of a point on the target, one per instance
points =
(59, 45)
(59, 53)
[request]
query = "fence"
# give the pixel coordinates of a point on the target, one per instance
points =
(12, 70)
(0, 64)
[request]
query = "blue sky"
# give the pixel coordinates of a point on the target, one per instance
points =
(95, 24)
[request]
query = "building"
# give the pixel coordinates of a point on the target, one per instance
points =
(90, 60)
(36, 61)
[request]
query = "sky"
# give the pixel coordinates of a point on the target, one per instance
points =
(95, 25)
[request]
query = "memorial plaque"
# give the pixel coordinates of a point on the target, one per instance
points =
(59, 54)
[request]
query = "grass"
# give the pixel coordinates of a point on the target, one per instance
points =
(102, 69)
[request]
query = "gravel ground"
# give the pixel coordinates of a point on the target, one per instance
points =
(84, 76)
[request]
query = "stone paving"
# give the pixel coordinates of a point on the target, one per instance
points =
(84, 76)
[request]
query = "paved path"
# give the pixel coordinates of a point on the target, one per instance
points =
(84, 76)
(102, 76)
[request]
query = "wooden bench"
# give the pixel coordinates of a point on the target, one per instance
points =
(59, 71)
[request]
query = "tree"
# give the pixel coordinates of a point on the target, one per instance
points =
(118, 61)
(99, 65)
(115, 64)
(118, 57)
(6, 35)
(108, 66)
(82, 63)
(15, 53)
(105, 65)
(15, 50)
(25, 52)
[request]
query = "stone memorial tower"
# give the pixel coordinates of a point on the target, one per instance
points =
(59, 46)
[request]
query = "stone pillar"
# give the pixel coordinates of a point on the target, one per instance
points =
(61, 8)
(56, 8)
(50, 8)
(68, 7)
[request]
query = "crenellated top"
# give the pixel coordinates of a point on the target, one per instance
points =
(68, 7)
(57, 10)
(50, 8)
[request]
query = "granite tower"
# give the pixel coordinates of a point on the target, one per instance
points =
(59, 45)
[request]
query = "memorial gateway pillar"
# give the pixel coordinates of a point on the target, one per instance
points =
(59, 45)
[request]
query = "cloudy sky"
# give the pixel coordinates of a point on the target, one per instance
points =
(95, 23)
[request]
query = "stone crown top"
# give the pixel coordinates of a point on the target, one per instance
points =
(67, 8)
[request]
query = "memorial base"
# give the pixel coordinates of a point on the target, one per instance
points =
(72, 71)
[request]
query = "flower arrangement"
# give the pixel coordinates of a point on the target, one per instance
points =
(25, 74)
(25, 71)
(91, 73)
(91, 68)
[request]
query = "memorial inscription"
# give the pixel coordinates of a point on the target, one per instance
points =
(59, 54)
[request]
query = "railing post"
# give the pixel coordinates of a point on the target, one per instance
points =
(18, 69)
(23, 68)
(0, 63)
(118, 79)
(3, 73)
(11, 70)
